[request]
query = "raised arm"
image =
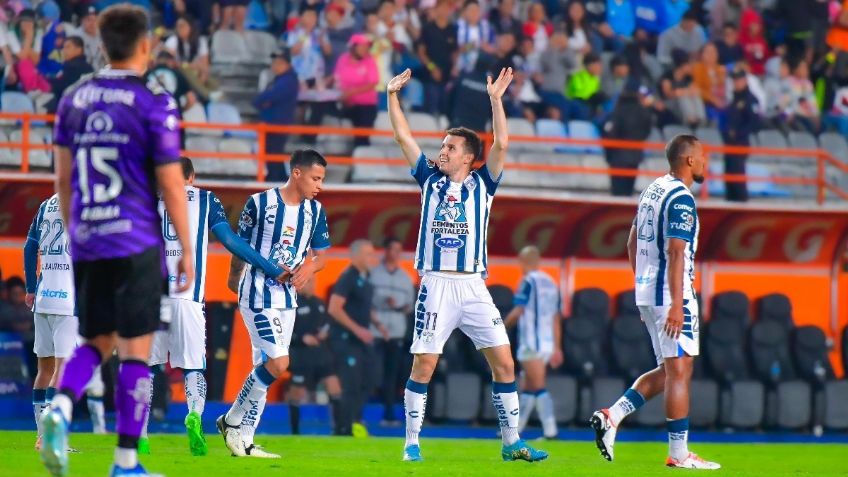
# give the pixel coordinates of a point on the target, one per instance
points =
(403, 135)
(496, 90)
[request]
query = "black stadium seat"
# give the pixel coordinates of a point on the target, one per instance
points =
(775, 307)
(769, 348)
(625, 304)
(591, 302)
(583, 347)
(502, 297)
(630, 347)
(809, 348)
(733, 305)
(724, 350)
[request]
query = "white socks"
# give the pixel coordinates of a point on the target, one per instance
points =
(250, 421)
(126, 458)
(255, 388)
(195, 390)
(527, 401)
(97, 413)
(414, 404)
(627, 404)
(545, 406)
(505, 399)
(678, 437)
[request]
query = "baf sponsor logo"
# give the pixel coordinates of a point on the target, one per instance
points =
(449, 243)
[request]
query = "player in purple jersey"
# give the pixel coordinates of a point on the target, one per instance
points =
(116, 143)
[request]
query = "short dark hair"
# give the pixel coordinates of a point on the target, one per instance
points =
(677, 148)
(76, 41)
(306, 158)
(188, 167)
(591, 58)
(730, 25)
(121, 27)
(15, 281)
(468, 3)
(473, 144)
(388, 241)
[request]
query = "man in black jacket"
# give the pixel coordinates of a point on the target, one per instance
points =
(631, 121)
(74, 65)
(740, 122)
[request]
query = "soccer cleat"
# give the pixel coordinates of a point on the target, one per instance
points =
(231, 435)
(254, 450)
(692, 461)
(54, 443)
(144, 446)
(520, 450)
(137, 471)
(194, 429)
(412, 453)
(604, 433)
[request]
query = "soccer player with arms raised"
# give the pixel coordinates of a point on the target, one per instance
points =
(661, 247)
(117, 142)
(451, 256)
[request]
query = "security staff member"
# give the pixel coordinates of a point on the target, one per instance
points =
(350, 337)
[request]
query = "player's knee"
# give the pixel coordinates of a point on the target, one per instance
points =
(277, 366)
(423, 367)
(679, 368)
(503, 371)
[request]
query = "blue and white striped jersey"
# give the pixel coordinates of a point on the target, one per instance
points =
(283, 234)
(539, 295)
(54, 293)
(666, 210)
(204, 212)
(454, 219)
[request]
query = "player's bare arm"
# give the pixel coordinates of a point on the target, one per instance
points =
(676, 260)
(62, 158)
(336, 310)
(496, 90)
(172, 184)
(403, 135)
(631, 248)
(313, 264)
(513, 316)
(236, 267)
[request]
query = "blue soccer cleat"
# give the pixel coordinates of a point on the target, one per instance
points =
(54, 442)
(412, 453)
(137, 471)
(522, 451)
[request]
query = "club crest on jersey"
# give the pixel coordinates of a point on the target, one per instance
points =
(283, 254)
(451, 210)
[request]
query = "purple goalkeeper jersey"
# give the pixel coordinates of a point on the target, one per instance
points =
(118, 130)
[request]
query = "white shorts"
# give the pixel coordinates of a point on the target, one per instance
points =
(183, 344)
(55, 335)
(447, 302)
(665, 346)
(528, 354)
(270, 331)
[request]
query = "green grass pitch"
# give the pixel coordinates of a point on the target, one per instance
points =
(337, 457)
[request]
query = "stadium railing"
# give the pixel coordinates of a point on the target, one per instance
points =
(819, 180)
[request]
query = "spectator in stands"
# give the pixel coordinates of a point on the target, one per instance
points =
(407, 15)
(837, 37)
(803, 110)
(470, 89)
(537, 27)
(779, 94)
(754, 46)
(394, 296)
(24, 40)
(755, 86)
(729, 49)
(73, 67)
(191, 50)
(556, 63)
(505, 52)
(395, 31)
(801, 20)
(631, 120)
(233, 13)
(584, 89)
(474, 36)
(276, 105)
(613, 83)
(350, 337)
(709, 78)
(723, 13)
(311, 357)
(679, 95)
(304, 42)
(642, 64)
(201, 10)
(166, 73)
(335, 35)
(437, 51)
(356, 79)
(581, 38)
(17, 316)
(521, 99)
(503, 19)
(621, 18)
(382, 49)
(91, 39)
(838, 116)
(50, 60)
(741, 120)
(687, 36)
